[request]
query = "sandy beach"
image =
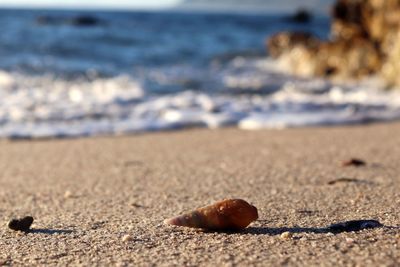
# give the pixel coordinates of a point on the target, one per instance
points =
(87, 194)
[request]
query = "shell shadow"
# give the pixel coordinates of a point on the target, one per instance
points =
(51, 231)
(336, 228)
(271, 231)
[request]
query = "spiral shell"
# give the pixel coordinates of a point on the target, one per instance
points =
(229, 214)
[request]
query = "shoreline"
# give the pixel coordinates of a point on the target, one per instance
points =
(195, 128)
(87, 193)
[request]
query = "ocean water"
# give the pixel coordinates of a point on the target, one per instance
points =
(136, 72)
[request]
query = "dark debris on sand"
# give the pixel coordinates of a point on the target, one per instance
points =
(354, 162)
(353, 226)
(22, 224)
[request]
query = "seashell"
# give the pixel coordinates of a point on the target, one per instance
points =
(229, 214)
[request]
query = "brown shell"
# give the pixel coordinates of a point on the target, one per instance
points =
(229, 214)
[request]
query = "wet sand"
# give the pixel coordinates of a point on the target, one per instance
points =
(86, 194)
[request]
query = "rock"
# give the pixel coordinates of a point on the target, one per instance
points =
(78, 21)
(84, 21)
(347, 20)
(306, 55)
(365, 40)
(348, 59)
(225, 215)
(296, 50)
(391, 68)
(22, 224)
(301, 16)
(283, 42)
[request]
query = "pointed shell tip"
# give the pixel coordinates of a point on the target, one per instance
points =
(168, 221)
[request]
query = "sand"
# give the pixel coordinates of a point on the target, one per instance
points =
(101, 201)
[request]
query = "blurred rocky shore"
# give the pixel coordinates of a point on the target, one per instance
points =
(365, 40)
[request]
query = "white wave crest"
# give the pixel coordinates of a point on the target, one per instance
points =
(37, 107)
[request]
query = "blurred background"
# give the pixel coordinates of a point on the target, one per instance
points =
(84, 68)
(206, 5)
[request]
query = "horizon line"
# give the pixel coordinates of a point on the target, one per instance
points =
(175, 8)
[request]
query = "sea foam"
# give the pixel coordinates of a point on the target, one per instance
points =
(249, 93)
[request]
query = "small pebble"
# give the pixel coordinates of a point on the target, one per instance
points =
(23, 224)
(353, 162)
(127, 238)
(136, 205)
(67, 194)
(350, 240)
(286, 235)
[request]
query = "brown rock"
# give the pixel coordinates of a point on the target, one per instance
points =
(391, 67)
(296, 50)
(307, 56)
(348, 19)
(348, 58)
(285, 41)
(365, 39)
